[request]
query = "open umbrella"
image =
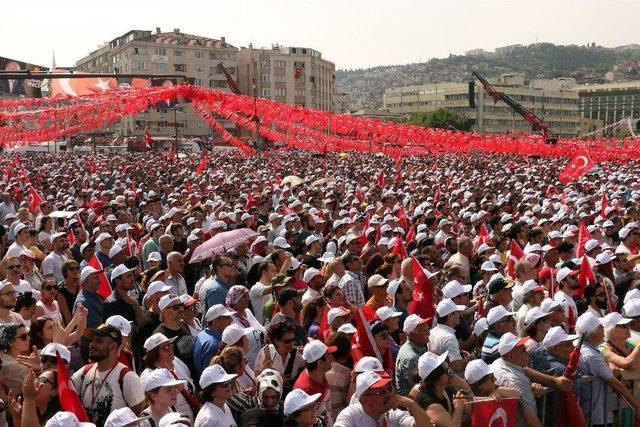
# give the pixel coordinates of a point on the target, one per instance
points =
(322, 181)
(221, 243)
(292, 180)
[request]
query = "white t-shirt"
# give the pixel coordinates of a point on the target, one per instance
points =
(52, 314)
(213, 416)
(182, 372)
(258, 299)
(354, 415)
(101, 401)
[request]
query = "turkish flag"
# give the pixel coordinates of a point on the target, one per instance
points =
(422, 303)
(583, 236)
(578, 166)
(105, 288)
(203, 164)
(147, 139)
(399, 249)
(585, 276)
(515, 254)
(411, 234)
(92, 166)
(363, 237)
(71, 237)
(604, 203)
(34, 200)
(67, 394)
(368, 345)
(402, 217)
(251, 201)
(489, 413)
(398, 180)
(436, 197)
(81, 86)
(380, 179)
(570, 414)
(483, 235)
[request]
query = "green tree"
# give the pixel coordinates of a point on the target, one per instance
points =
(442, 119)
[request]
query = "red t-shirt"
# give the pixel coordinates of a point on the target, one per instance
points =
(304, 382)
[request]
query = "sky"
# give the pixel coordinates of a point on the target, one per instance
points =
(350, 33)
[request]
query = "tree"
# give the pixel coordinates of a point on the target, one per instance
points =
(442, 119)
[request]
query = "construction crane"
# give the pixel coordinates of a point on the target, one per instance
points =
(232, 84)
(537, 125)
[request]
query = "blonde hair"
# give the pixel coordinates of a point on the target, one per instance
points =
(230, 358)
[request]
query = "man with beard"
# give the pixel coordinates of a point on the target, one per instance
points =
(567, 281)
(8, 299)
(106, 384)
(290, 302)
(52, 263)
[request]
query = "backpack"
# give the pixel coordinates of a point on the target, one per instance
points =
(124, 371)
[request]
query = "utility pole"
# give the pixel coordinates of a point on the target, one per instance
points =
(257, 121)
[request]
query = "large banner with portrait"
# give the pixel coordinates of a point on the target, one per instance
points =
(10, 87)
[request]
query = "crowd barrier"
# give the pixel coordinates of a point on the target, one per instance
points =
(550, 398)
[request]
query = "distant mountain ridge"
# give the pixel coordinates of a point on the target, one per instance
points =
(587, 64)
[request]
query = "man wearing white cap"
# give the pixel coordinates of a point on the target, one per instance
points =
(442, 338)
(553, 355)
(594, 364)
(318, 360)
(417, 330)
(509, 372)
(172, 325)
(315, 282)
(119, 302)
(377, 405)
(151, 317)
(52, 263)
(88, 296)
(124, 417)
(500, 322)
(532, 296)
(156, 230)
(567, 282)
(631, 310)
(313, 244)
(217, 318)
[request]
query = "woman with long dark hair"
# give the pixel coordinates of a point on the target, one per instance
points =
(311, 316)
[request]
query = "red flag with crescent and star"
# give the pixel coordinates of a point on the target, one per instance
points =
(578, 166)
(515, 254)
(67, 395)
(34, 200)
(490, 413)
(422, 303)
(583, 236)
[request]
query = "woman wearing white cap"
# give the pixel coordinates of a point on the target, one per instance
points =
(480, 378)
(434, 393)
(301, 410)
(216, 391)
(159, 355)
(237, 299)
(162, 390)
(536, 325)
(234, 361)
(617, 348)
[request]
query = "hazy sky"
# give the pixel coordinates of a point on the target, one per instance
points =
(351, 33)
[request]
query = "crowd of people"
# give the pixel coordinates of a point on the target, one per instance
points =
(313, 321)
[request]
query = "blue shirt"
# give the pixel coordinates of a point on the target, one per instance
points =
(490, 349)
(204, 348)
(215, 292)
(104, 259)
(93, 303)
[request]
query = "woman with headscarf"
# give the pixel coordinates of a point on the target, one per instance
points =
(238, 300)
(268, 412)
(14, 340)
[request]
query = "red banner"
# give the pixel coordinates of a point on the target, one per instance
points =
(489, 413)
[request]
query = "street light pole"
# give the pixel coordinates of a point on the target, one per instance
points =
(257, 121)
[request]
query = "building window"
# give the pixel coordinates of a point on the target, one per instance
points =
(179, 67)
(161, 67)
(279, 64)
(178, 53)
(198, 54)
(280, 92)
(265, 78)
(213, 70)
(212, 55)
(264, 63)
(300, 92)
(200, 124)
(199, 82)
(266, 92)
(161, 51)
(198, 68)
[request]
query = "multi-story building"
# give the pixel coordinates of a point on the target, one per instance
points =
(173, 53)
(291, 75)
(556, 106)
(609, 102)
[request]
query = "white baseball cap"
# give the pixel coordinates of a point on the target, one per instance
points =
(377, 281)
(632, 294)
(370, 379)
(531, 286)
(315, 350)
(51, 349)
(298, 399)
(336, 312)
(174, 419)
(19, 227)
(156, 340)
(326, 257)
(58, 235)
(614, 319)
(123, 227)
(120, 323)
(154, 256)
(534, 314)
(488, 266)
(347, 328)
(564, 272)
(309, 274)
(631, 308)
(368, 363)
(214, 374)
(88, 271)
(555, 336)
(480, 327)
(446, 307)
(161, 378)
(455, 288)
(430, 361)
(590, 245)
(497, 313)
(484, 247)
(310, 239)
(604, 258)
(102, 237)
(587, 322)
(411, 322)
(115, 250)
(119, 271)
(66, 419)
(234, 333)
(385, 313)
(549, 305)
(281, 242)
(155, 287)
(624, 232)
(122, 417)
(477, 370)
(167, 300)
(509, 341)
(216, 311)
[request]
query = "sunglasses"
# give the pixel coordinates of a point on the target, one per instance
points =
(382, 392)
(14, 266)
(50, 287)
(289, 341)
(10, 293)
(43, 380)
(22, 337)
(177, 307)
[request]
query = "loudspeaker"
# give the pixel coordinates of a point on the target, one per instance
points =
(472, 95)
